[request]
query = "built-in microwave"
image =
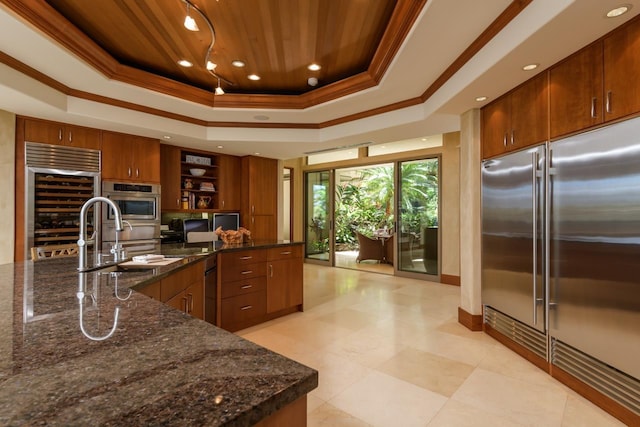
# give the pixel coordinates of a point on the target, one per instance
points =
(140, 208)
(137, 202)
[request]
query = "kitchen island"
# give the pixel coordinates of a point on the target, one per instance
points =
(156, 366)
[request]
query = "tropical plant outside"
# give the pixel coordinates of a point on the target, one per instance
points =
(365, 203)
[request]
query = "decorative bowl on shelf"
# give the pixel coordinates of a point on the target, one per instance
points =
(197, 172)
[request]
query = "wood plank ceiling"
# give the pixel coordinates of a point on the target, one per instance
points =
(353, 42)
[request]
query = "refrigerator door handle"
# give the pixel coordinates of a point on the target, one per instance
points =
(534, 199)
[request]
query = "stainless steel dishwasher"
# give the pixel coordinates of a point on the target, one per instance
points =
(210, 291)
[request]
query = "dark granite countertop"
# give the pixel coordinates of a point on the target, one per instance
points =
(160, 366)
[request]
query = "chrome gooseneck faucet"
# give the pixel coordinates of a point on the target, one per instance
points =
(82, 239)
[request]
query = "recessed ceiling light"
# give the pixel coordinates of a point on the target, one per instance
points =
(423, 139)
(530, 67)
(185, 63)
(314, 67)
(237, 63)
(253, 77)
(620, 10)
(166, 137)
(481, 98)
(256, 153)
(261, 117)
(220, 146)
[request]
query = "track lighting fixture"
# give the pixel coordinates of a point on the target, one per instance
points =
(219, 90)
(189, 22)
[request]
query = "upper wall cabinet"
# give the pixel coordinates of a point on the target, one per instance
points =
(576, 91)
(597, 83)
(229, 183)
(516, 120)
(61, 134)
(130, 158)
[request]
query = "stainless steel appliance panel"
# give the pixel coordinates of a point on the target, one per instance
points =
(140, 208)
(513, 204)
(594, 288)
(58, 181)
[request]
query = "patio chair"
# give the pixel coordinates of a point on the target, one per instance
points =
(369, 248)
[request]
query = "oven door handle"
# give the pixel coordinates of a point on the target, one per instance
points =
(126, 243)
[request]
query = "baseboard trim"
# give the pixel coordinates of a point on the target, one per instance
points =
(449, 279)
(470, 321)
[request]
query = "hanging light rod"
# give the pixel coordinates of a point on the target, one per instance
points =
(208, 64)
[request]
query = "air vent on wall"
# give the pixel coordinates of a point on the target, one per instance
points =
(60, 157)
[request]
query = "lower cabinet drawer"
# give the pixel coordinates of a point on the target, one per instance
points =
(242, 308)
(246, 286)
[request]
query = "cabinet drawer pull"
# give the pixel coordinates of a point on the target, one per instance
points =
(504, 140)
(190, 303)
(246, 307)
(246, 287)
(593, 108)
(608, 103)
(246, 257)
(247, 272)
(285, 253)
(71, 134)
(270, 270)
(512, 136)
(60, 134)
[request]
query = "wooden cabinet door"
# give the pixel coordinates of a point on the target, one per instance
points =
(61, 134)
(45, 132)
(195, 299)
(262, 227)
(496, 127)
(529, 113)
(170, 177)
(145, 159)
(116, 157)
(264, 183)
(576, 91)
(229, 183)
(130, 158)
(284, 284)
(179, 302)
(81, 137)
(621, 68)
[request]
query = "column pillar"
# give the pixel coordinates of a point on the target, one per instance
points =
(470, 309)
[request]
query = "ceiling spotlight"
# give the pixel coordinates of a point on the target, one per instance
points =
(620, 10)
(237, 63)
(479, 99)
(530, 67)
(219, 90)
(314, 67)
(185, 63)
(211, 66)
(189, 22)
(312, 81)
(254, 77)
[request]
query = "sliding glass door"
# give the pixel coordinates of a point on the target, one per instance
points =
(418, 199)
(319, 217)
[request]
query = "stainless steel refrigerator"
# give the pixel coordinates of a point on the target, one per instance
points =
(561, 255)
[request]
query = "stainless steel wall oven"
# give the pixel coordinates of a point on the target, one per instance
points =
(140, 207)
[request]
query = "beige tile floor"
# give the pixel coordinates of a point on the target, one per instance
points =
(389, 352)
